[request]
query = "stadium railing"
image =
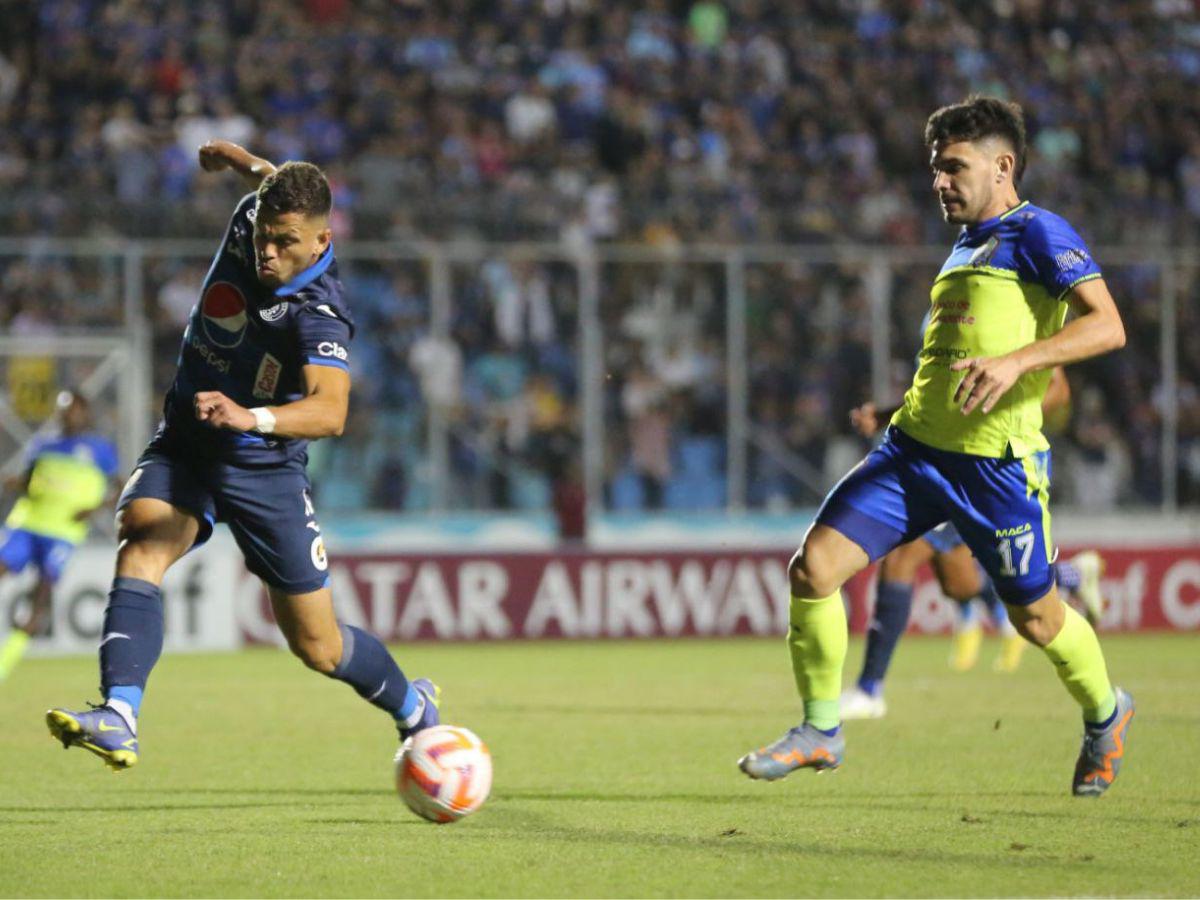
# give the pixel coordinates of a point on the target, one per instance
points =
(682, 377)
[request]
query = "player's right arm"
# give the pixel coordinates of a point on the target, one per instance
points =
(216, 156)
(320, 413)
(1096, 329)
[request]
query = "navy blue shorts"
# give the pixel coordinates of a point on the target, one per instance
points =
(1000, 507)
(19, 548)
(268, 508)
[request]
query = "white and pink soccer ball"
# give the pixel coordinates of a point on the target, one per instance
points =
(443, 773)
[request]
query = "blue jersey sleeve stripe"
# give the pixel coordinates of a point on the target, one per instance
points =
(324, 361)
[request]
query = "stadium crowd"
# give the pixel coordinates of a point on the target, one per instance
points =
(661, 122)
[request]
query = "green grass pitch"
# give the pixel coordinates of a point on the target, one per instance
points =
(615, 776)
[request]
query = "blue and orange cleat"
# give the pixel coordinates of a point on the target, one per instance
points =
(802, 747)
(1102, 751)
(101, 730)
(429, 715)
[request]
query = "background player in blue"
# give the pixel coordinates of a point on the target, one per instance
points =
(263, 370)
(967, 446)
(67, 478)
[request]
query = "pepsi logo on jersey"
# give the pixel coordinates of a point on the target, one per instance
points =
(223, 310)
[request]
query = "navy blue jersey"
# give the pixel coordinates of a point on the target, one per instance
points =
(251, 343)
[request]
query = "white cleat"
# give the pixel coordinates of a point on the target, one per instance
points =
(856, 703)
(1091, 567)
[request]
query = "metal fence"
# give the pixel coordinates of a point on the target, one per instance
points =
(679, 377)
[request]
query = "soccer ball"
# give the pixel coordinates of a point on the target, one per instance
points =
(443, 773)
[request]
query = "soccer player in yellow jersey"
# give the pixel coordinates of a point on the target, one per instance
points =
(68, 478)
(967, 446)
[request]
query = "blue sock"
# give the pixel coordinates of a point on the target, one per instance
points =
(1066, 576)
(893, 603)
(367, 667)
(995, 606)
(132, 640)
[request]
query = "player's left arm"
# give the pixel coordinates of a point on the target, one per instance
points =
(1096, 329)
(320, 413)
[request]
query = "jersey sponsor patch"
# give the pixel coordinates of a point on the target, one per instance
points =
(274, 313)
(317, 551)
(1070, 259)
(223, 310)
(267, 378)
(332, 349)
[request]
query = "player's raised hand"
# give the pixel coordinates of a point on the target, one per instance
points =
(216, 156)
(986, 381)
(865, 419)
(219, 411)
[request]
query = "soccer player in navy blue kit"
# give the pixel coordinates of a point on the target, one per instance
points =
(263, 370)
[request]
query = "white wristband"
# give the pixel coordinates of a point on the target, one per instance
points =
(265, 420)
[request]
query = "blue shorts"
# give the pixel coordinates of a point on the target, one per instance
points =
(944, 538)
(1000, 507)
(19, 548)
(268, 508)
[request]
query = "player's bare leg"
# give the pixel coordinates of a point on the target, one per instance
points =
(960, 580)
(1071, 644)
(817, 641)
(152, 535)
(354, 656)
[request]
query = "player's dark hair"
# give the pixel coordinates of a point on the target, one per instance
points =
(977, 118)
(296, 187)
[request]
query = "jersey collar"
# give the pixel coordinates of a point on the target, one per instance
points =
(980, 228)
(308, 276)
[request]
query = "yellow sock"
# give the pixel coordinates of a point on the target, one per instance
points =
(12, 651)
(1077, 658)
(817, 640)
(1011, 648)
(966, 647)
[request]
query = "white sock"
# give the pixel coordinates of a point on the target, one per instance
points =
(125, 711)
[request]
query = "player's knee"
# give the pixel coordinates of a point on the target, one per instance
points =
(959, 586)
(811, 576)
(320, 656)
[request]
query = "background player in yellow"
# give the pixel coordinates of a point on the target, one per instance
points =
(67, 478)
(966, 446)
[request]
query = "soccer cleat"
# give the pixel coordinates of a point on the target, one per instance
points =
(1012, 646)
(1101, 754)
(856, 703)
(1091, 568)
(101, 730)
(965, 652)
(802, 747)
(429, 715)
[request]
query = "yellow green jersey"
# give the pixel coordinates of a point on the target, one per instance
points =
(67, 475)
(1002, 287)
